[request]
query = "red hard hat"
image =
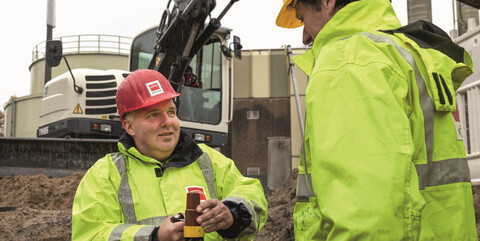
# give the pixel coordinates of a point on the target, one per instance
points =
(143, 88)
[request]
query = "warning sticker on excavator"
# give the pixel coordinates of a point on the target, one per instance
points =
(78, 110)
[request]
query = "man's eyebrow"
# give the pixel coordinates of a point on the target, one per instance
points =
(150, 111)
(158, 110)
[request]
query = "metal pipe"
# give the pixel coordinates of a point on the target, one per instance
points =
(12, 118)
(230, 91)
(225, 10)
(297, 98)
(473, 111)
(467, 87)
(453, 13)
(48, 69)
(51, 22)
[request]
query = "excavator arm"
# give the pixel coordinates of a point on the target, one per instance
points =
(181, 34)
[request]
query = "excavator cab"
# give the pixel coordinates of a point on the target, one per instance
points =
(196, 58)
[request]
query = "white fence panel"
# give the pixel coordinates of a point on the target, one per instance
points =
(468, 103)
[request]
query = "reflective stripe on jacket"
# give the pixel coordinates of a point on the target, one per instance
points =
(380, 141)
(125, 195)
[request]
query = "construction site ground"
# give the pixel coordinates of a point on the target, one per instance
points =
(39, 208)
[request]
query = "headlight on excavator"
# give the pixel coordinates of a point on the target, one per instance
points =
(202, 137)
(102, 127)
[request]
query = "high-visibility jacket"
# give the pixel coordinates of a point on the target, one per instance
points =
(383, 158)
(125, 195)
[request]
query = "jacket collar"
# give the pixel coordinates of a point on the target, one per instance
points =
(356, 17)
(186, 151)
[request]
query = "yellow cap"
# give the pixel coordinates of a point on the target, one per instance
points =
(287, 17)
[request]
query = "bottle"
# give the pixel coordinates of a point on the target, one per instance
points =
(192, 231)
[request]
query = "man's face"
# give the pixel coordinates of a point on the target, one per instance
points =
(155, 129)
(313, 19)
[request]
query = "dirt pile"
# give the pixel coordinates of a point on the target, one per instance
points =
(279, 224)
(39, 208)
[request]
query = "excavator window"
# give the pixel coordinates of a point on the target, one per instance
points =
(201, 93)
(202, 102)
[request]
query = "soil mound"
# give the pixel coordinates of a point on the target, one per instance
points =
(39, 208)
(39, 191)
(281, 202)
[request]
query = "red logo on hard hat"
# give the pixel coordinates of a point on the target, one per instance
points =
(154, 88)
(198, 189)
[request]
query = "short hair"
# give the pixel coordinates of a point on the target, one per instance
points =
(129, 116)
(316, 3)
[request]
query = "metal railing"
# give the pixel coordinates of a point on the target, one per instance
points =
(468, 99)
(468, 103)
(87, 43)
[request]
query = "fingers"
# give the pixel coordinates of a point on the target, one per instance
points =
(215, 215)
(210, 203)
(170, 231)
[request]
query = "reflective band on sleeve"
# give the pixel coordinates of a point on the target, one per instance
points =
(118, 231)
(444, 172)
(425, 100)
(124, 191)
(156, 221)
(205, 165)
(144, 233)
(258, 210)
(254, 212)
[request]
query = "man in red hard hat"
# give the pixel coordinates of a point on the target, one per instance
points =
(133, 193)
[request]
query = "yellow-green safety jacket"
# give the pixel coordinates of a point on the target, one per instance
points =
(126, 195)
(382, 155)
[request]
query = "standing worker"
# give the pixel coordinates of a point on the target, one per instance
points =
(383, 158)
(130, 195)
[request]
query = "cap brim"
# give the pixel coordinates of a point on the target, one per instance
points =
(159, 98)
(151, 102)
(287, 17)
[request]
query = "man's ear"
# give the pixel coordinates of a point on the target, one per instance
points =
(128, 127)
(330, 5)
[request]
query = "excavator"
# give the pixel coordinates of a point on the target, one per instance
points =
(182, 34)
(78, 121)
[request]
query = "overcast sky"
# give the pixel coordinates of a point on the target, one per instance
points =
(23, 26)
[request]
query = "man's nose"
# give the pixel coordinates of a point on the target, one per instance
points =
(306, 38)
(165, 119)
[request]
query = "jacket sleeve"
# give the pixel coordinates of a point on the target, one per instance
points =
(359, 144)
(96, 213)
(239, 192)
